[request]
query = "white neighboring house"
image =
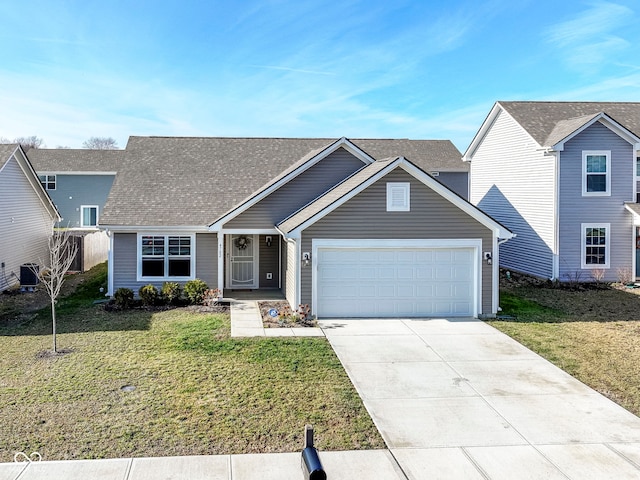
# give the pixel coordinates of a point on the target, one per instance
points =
(27, 215)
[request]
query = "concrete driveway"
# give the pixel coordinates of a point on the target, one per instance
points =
(456, 399)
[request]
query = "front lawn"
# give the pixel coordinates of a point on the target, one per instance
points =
(593, 334)
(193, 389)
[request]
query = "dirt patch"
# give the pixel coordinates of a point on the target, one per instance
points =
(17, 306)
(284, 317)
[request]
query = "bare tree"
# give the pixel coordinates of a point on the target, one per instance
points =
(29, 142)
(62, 252)
(100, 143)
(25, 142)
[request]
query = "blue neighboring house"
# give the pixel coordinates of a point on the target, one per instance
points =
(564, 177)
(78, 182)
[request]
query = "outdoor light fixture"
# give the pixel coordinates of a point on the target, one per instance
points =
(268, 239)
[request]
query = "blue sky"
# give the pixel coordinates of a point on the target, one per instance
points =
(427, 69)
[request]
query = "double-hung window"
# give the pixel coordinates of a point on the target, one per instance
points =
(596, 173)
(595, 245)
(166, 256)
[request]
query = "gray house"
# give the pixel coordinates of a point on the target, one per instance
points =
(27, 215)
(348, 227)
(563, 176)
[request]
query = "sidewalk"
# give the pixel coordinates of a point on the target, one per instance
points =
(350, 465)
(247, 322)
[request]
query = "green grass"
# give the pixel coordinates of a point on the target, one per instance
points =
(197, 391)
(594, 335)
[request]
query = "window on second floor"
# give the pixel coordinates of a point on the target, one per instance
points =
(596, 173)
(48, 181)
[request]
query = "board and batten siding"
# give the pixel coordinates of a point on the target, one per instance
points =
(575, 209)
(513, 182)
(298, 192)
(73, 191)
(125, 261)
(25, 224)
(431, 217)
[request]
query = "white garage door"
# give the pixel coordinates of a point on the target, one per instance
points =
(395, 282)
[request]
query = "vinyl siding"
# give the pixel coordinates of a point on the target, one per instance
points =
(513, 181)
(25, 224)
(269, 261)
(298, 192)
(456, 181)
(576, 209)
(73, 191)
(430, 217)
(125, 262)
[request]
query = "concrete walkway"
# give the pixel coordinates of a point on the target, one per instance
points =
(246, 321)
(453, 399)
(460, 400)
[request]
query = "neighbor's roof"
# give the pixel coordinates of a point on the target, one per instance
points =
(75, 160)
(550, 122)
(165, 181)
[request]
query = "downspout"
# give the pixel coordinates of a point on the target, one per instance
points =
(110, 268)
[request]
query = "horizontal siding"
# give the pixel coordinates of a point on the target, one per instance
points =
(576, 209)
(73, 191)
(456, 181)
(431, 217)
(269, 261)
(513, 181)
(298, 192)
(25, 224)
(125, 262)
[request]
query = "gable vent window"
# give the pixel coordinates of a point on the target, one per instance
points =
(398, 197)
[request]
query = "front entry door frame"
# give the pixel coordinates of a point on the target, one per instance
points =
(233, 259)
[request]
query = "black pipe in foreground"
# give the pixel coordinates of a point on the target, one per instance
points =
(311, 465)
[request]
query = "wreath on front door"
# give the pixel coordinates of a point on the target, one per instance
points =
(242, 242)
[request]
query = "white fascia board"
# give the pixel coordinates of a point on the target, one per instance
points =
(608, 122)
(482, 131)
(635, 217)
(248, 231)
(32, 177)
(343, 142)
(154, 228)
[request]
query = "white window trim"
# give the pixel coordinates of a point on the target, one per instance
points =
(46, 182)
(82, 207)
(606, 193)
(391, 186)
(583, 245)
(166, 278)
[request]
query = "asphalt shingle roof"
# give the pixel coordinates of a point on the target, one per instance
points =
(6, 149)
(172, 181)
(546, 122)
(75, 160)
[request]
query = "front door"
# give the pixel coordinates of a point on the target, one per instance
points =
(243, 261)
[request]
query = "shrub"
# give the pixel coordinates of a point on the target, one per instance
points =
(171, 292)
(149, 295)
(194, 291)
(123, 297)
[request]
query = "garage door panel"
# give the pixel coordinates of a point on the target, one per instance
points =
(395, 282)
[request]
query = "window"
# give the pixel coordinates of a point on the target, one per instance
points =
(48, 181)
(398, 197)
(166, 256)
(637, 166)
(596, 168)
(595, 245)
(89, 216)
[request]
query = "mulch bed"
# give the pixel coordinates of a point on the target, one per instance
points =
(269, 321)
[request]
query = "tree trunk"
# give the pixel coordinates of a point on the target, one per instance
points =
(53, 317)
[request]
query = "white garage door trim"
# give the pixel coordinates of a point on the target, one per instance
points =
(474, 244)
